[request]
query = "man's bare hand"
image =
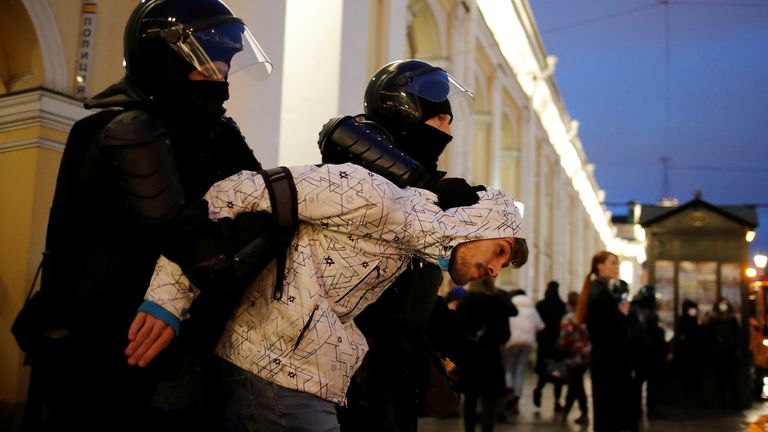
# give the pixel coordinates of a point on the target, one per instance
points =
(149, 336)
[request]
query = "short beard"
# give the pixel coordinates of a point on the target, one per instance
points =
(458, 266)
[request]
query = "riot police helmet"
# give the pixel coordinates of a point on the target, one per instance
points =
(166, 40)
(405, 93)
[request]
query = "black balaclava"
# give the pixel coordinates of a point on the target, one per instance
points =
(191, 97)
(425, 143)
(208, 96)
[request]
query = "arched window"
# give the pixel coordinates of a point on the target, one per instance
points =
(21, 65)
(424, 41)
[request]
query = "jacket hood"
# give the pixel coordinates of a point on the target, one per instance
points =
(496, 215)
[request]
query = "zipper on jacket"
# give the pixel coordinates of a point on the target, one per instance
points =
(376, 269)
(304, 330)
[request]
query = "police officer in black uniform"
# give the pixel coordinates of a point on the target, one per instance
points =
(127, 191)
(399, 137)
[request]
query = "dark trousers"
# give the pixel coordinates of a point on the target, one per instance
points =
(488, 406)
(576, 391)
(65, 397)
(613, 397)
(543, 380)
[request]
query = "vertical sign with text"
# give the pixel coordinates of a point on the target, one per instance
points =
(85, 47)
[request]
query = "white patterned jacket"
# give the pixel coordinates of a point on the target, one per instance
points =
(357, 233)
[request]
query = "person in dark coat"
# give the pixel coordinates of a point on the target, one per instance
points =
(650, 350)
(721, 333)
(484, 318)
(689, 352)
(408, 325)
(604, 307)
(551, 309)
(125, 193)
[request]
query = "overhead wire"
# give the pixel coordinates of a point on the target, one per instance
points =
(600, 18)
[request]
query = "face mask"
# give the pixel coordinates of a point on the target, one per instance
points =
(692, 312)
(207, 95)
(424, 144)
(723, 307)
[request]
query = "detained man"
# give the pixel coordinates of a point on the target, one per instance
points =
(290, 359)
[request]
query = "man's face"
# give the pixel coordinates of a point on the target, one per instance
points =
(441, 121)
(217, 68)
(480, 258)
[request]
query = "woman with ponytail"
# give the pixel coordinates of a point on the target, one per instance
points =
(604, 307)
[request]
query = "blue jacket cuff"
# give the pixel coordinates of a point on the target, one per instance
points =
(158, 312)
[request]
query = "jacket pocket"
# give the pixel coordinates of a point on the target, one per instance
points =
(304, 329)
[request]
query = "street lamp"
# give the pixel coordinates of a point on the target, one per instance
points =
(750, 236)
(760, 261)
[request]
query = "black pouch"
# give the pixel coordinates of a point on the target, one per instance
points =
(35, 328)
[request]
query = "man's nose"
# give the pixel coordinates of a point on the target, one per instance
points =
(445, 124)
(493, 270)
(222, 68)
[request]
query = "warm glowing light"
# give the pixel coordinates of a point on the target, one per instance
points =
(639, 232)
(765, 342)
(750, 272)
(760, 261)
(627, 271)
(512, 34)
(750, 236)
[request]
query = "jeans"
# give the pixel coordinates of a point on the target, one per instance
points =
(263, 406)
(516, 365)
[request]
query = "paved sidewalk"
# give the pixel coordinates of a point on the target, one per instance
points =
(542, 419)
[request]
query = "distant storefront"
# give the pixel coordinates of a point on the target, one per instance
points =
(697, 251)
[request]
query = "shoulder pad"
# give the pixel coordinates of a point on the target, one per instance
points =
(133, 127)
(138, 148)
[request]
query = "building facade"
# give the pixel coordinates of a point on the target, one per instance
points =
(697, 251)
(519, 137)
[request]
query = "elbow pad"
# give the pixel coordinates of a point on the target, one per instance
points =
(139, 151)
(344, 139)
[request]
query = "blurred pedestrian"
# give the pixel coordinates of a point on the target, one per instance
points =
(574, 347)
(721, 333)
(650, 351)
(454, 297)
(484, 318)
(688, 352)
(551, 309)
(604, 307)
(519, 347)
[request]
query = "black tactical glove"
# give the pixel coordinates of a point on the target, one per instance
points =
(454, 192)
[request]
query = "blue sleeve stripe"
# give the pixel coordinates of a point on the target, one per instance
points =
(160, 313)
